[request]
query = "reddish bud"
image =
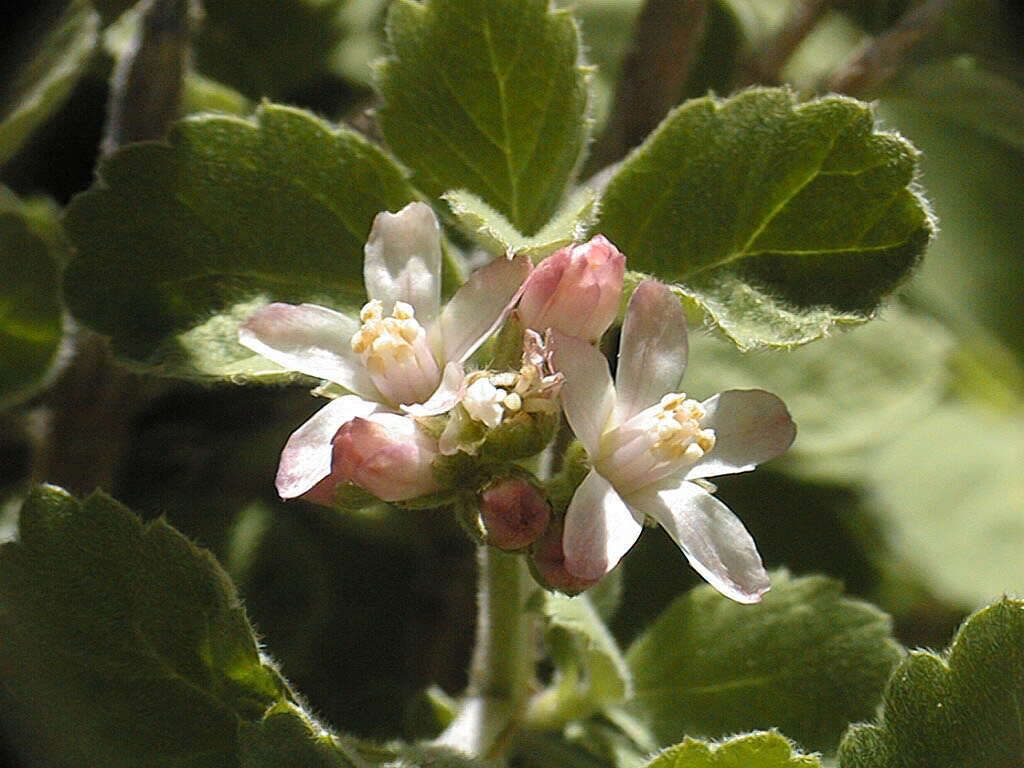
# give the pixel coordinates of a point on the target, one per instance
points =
(575, 290)
(385, 453)
(548, 562)
(514, 513)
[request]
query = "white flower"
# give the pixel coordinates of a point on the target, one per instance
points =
(648, 444)
(404, 352)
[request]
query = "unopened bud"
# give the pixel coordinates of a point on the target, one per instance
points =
(385, 453)
(548, 564)
(514, 513)
(575, 290)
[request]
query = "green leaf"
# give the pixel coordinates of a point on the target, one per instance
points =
(182, 235)
(805, 660)
(592, 670)
(267, 49)
(488, 96)
(960, 708)
(755, 750)
(129, 632)
(963, 91)
(46, 81)
(493, 232)
(890, 372)
(31, 314)
(778, 218)
(949, 491)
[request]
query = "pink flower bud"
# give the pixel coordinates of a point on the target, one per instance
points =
(549, 564)
(514, 513)
(385, 453)
(575, 290)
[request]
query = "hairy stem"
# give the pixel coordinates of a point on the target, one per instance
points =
(501, 670)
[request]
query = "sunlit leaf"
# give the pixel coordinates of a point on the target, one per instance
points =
(955, 709)
(805, 660)
(778, 218)
(487, 96)
(180, 238)
(755, 750)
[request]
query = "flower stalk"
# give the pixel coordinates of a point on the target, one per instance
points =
(501, 670)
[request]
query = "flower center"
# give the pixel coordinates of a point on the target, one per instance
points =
(657, 442)
(395, 352)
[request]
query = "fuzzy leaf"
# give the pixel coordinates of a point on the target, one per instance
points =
(964, 707)
(805, 660)
(493, 232)
(574, 622)
(177, 236)
(30, 306)
(487, 96)
(268, 49)
(755, 750)
(892, 371)
(131, 633)
(950, 492)
(46, 81)
(778, 218)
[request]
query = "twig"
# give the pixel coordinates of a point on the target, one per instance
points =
(764, 67)
(878, 60)
(666, 40)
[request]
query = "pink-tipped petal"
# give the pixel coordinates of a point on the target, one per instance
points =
(306, 458)
(599, 529)
(713, 539)
(653, 349)
(588, 395)
(751, 426)
(310, 339)
(479, 306)
(445, 396)
(403, 260)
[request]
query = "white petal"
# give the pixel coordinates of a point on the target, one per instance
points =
(306, 458)
(588, 395)
(479, 306)
(445, 396)
(713, 539)
(310, 339)
(751, 426)
(599, 529)
(403, 260)
(653, 349)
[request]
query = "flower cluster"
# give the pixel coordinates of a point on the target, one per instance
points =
(414, 405)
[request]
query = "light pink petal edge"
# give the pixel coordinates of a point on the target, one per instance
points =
(751, 426)
(479, 307)
(306, 458)
(403, 260)
(653, 349)
(445, 396)
(715, 542)
(310, 339)
(588, 395)
(599, 529)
